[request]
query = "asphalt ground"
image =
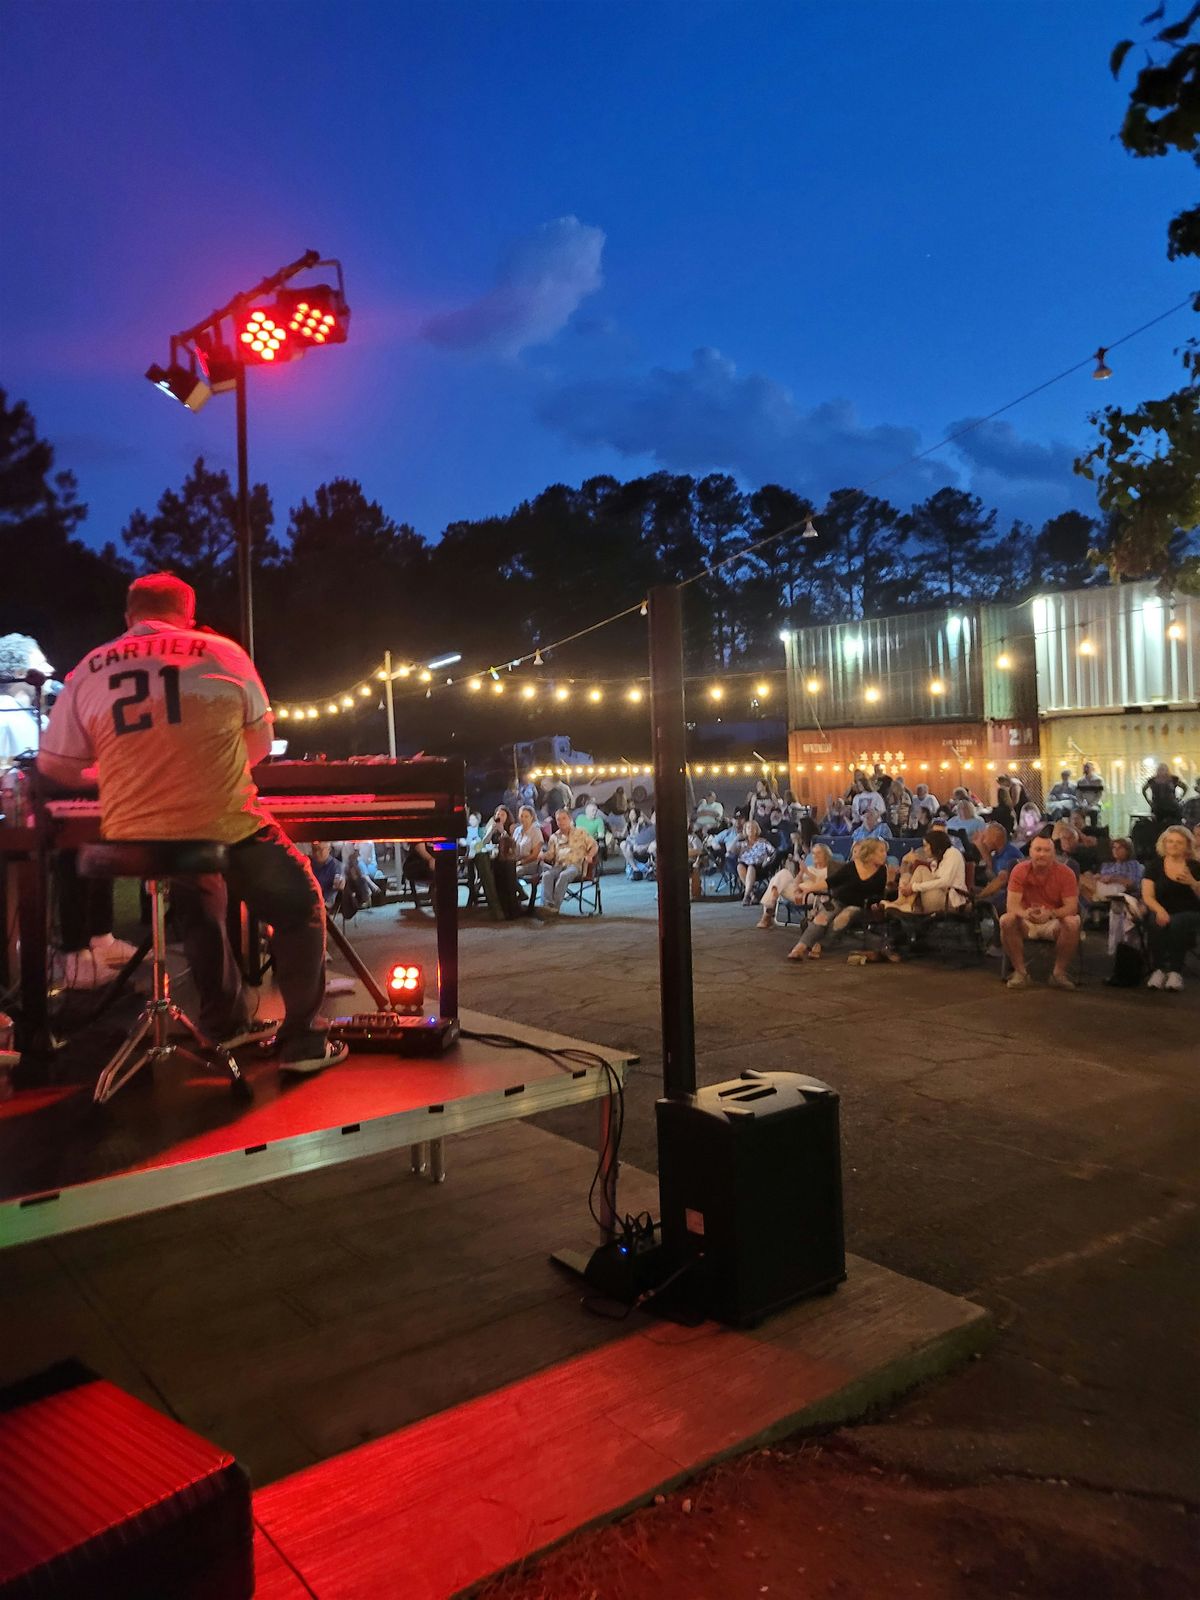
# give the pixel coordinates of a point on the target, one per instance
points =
(1034, 1151)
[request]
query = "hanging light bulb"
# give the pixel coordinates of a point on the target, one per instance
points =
(595, 696)
(872, 695)
(1103, 370)
(762, 690)
(497, 687)
(537, 658)
(813, 685)
(381, 675)
(426, 675)
(1175, 628)
(645, 610)
(716, 692)
(332, 708)
(635, 694)
(561, 693)
(528, 692)
(1086, 646)
(937, 687)
(284, 712)
(495, 675)
(312, 713)
(1004, 660)
(474, 684)
(808, 531)
(347, 702)
(364, 689)
(403, 672)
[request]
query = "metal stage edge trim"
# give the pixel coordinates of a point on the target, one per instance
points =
(145, 1189)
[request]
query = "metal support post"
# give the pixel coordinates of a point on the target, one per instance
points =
(245, 579)
(389, 701)
(445, 894)
(673, 873)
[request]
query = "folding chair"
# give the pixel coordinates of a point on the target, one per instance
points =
(585, 891)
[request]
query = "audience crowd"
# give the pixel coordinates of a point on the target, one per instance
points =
(892, 863)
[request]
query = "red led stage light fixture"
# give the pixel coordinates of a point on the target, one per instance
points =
(318, 315)
(263, 337)
(406, 984)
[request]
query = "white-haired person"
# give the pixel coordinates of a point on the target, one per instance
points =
(89, 953)
(756, 852)
(1171, 890)
(853, 886)
(796, 880)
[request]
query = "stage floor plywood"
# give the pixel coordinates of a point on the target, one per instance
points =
(67, 1164)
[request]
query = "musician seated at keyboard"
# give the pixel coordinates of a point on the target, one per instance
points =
(175, 716)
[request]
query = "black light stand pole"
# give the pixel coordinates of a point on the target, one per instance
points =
(245, 580)
(671, 829)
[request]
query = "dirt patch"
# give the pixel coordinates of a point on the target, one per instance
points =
(814, 1520)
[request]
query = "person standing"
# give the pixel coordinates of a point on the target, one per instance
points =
(1163, 793)
(175, 717)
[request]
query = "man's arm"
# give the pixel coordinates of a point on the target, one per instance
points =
(67, 770)
(66, 748)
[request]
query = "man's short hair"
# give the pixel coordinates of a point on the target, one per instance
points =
(160, 594)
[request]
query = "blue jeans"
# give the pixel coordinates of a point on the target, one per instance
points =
(276, 882)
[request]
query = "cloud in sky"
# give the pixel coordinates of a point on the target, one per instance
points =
(546, 275)
(1026, 479)
(708, 416)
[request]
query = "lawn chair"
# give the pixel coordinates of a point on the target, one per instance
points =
(585, 891)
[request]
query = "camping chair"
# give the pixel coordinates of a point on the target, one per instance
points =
(585, 891)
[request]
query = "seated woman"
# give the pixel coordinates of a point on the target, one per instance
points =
(931, 880)
(528, 843)
(497, 864)
(921, 820)
(835, 823)
(795, 880)
(1171, 890)
(1119, 882)
(966, 820)
(1029, 823)
(856, 884)
(755, 853)
(639, 846)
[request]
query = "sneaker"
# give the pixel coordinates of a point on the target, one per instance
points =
(1174, 981)
(110, 952)
(336, 985)
(1018, 980)
(257, 1032)
(330, 1055)
(1059, 980)
(1157, 979)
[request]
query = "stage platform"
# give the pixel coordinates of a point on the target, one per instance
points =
(66, 1164)
(420, 1397)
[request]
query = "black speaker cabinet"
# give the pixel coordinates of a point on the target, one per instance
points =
(750, 1180)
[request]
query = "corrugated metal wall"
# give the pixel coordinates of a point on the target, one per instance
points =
(884, 669)
(1126, 749)
(1105, 649)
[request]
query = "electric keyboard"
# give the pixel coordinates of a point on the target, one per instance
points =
(375, 799)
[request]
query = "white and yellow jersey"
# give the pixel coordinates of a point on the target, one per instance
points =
(161, 711)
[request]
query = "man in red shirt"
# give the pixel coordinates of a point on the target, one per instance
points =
(1043, 903)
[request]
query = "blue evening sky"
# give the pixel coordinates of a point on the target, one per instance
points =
(791, 241)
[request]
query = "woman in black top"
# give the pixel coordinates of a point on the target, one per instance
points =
(857, 884)
(1162, 791)
(1171, 890)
